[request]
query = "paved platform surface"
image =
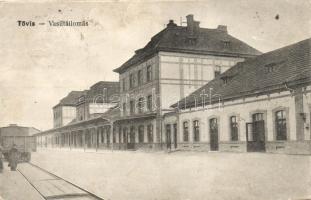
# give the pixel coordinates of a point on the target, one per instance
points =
(121, 175)
(30, 182)
(13, 186)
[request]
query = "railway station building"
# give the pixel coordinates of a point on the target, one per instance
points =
(193, 88)
(175, 62)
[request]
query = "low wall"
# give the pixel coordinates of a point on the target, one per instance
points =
(289, 147)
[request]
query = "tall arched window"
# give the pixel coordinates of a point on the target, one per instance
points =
(234, 128)
(186, 131)
(196, 131)
(280, 125)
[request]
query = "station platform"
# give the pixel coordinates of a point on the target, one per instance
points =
(36, 183)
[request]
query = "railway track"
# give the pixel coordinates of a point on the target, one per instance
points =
(53, 187)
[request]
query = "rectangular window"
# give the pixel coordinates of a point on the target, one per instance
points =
(186, 131)
(141, 134)
(132, 107)
(124, 108)
(140, 77)
(234, 128)
(132, 80)
(150, 133)
(149, 73)
(196, 131)
(149, 103)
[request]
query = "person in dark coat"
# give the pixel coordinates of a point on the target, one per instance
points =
(1, 160)
(13, 157)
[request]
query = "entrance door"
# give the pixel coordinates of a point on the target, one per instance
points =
(131, 144)
(168, 136)
(213, 129)
(175, 135)
(255, 133)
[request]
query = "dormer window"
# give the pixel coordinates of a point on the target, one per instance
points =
(270, 67)
(191, 40)
(226, 79)
(226, 43)
(275, 66)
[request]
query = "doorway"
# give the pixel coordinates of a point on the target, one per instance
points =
(168, 136)
(175, 135)
(255, 133)
(131, 143)
(213, 128)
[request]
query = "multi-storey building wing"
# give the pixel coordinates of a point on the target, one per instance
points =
(177, 61)
(84, 118)
(65, 111)
(97, 100)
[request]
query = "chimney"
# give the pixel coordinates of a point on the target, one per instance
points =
(192, 26)
(222, 28)
(171, 24)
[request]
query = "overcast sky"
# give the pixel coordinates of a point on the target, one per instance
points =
(39, 65)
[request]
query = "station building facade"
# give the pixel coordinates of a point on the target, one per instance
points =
(177, 61)
(262, 104)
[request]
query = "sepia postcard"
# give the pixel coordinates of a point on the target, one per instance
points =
(155, 100)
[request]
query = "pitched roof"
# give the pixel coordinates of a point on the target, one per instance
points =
(111, 89)
(15, 130)
(71, 99)
(276, 70)
(202, 41)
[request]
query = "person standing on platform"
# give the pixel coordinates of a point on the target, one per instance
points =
(13, 157)
(1, 160)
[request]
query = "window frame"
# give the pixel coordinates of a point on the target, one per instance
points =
(140, 77)
(185, 131)
(140, 105)
(196, 130)
(124, 108)
(281, 136)
(132, 81)
(149, 73)
(234, 128)
(132, 106)
(149, 102)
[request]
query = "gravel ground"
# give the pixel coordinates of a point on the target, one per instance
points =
(121, 175)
